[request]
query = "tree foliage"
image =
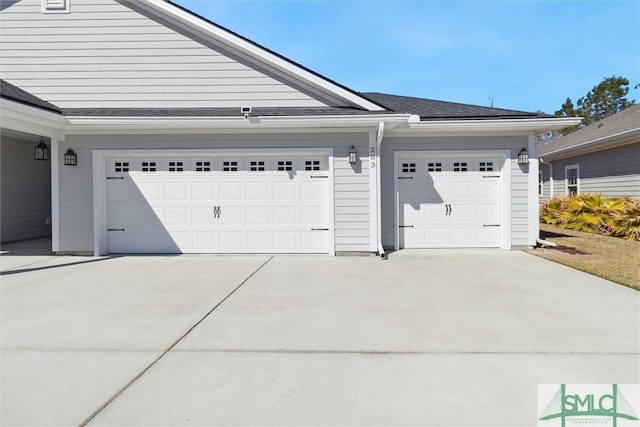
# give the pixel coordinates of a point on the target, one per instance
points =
(605, 99)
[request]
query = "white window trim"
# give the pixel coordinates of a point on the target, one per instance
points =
(56, 6)
(566, 180)
(540, 183)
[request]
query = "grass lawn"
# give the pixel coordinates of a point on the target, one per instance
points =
(611, 258)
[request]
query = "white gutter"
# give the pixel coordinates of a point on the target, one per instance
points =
(379, 137)
(534, 124)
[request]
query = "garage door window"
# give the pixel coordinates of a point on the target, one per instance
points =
(312, 165)
(148, 166)
(203, 166)
(485, 166)
(460, 167)
(434, 166)
(121, 167)
(408, 167)
(229, 166)
(284, 165)
(176, 166)
(257, 165)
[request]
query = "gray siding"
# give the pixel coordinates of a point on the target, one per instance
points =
(351, 184)
(519, 184)
(546, 182)
(106, 54)
(613, 172)
(25, 191)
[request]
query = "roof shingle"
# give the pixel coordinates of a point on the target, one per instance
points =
(14, 93)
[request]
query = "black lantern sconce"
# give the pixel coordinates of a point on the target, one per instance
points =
(41, 151)
(353, 155)
(523, 157)
(70, 158)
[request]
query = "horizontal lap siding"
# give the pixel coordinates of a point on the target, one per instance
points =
(106, 55)
(612, 173)
(519, 180)
(351, 184)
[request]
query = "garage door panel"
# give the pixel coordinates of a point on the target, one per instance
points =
(258, 215)
(258, 240)
(204, 240)
(230, 191)
(258, 191)
(285, 191)
(174, 210)
(203, 191)
(446, 202)
(285, 215)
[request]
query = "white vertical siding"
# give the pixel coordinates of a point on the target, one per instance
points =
(612, 173)
(25, 191)
(109, 54)
(351, 184)
(519, 184)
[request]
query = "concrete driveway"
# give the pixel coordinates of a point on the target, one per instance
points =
(425, 338)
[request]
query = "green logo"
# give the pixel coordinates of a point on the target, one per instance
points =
(585, 405)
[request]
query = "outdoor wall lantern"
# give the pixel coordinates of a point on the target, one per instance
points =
(70, 158)
(41, 151)
(353, 155)
(523, 157)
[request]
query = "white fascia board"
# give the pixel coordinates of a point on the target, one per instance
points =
(24, 118)
(491, 125)
(610, 141)
(261, 54)
(86, 123)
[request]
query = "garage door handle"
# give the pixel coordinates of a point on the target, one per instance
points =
(490, 176)
(216, 211)
(405, 177)
(115, 229)
(447, 210)
(491, 225)
(319, 229)
(406, 226)
(319, 176)
(115, 177)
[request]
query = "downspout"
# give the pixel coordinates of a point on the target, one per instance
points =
(540, 240)
(379, 137)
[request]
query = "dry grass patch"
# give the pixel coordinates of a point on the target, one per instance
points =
(611, 258)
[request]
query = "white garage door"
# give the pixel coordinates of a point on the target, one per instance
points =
(221, 204)
(448, 202)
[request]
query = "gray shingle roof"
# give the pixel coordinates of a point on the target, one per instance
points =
(14, 93)
(429, 109)
(622, 122)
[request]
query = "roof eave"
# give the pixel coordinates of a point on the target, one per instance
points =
(500, 125)
(610, 141)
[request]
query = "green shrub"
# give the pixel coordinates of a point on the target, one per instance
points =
(593, 213)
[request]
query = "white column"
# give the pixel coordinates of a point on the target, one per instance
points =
(534, 222)
(55, 191)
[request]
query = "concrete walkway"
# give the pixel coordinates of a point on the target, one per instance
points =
(425, 338)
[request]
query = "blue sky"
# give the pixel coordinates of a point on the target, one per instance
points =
(525, 55)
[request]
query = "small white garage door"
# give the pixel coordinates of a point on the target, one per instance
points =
(448, 202)
(218, 204)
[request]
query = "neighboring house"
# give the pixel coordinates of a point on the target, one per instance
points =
(602, 158)
(190, 138)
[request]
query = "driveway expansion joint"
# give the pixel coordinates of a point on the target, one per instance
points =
(171, 347)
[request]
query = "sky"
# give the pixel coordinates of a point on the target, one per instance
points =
(518, 54)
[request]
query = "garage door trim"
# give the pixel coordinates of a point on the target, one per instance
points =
(505, 184)
(100, 167)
